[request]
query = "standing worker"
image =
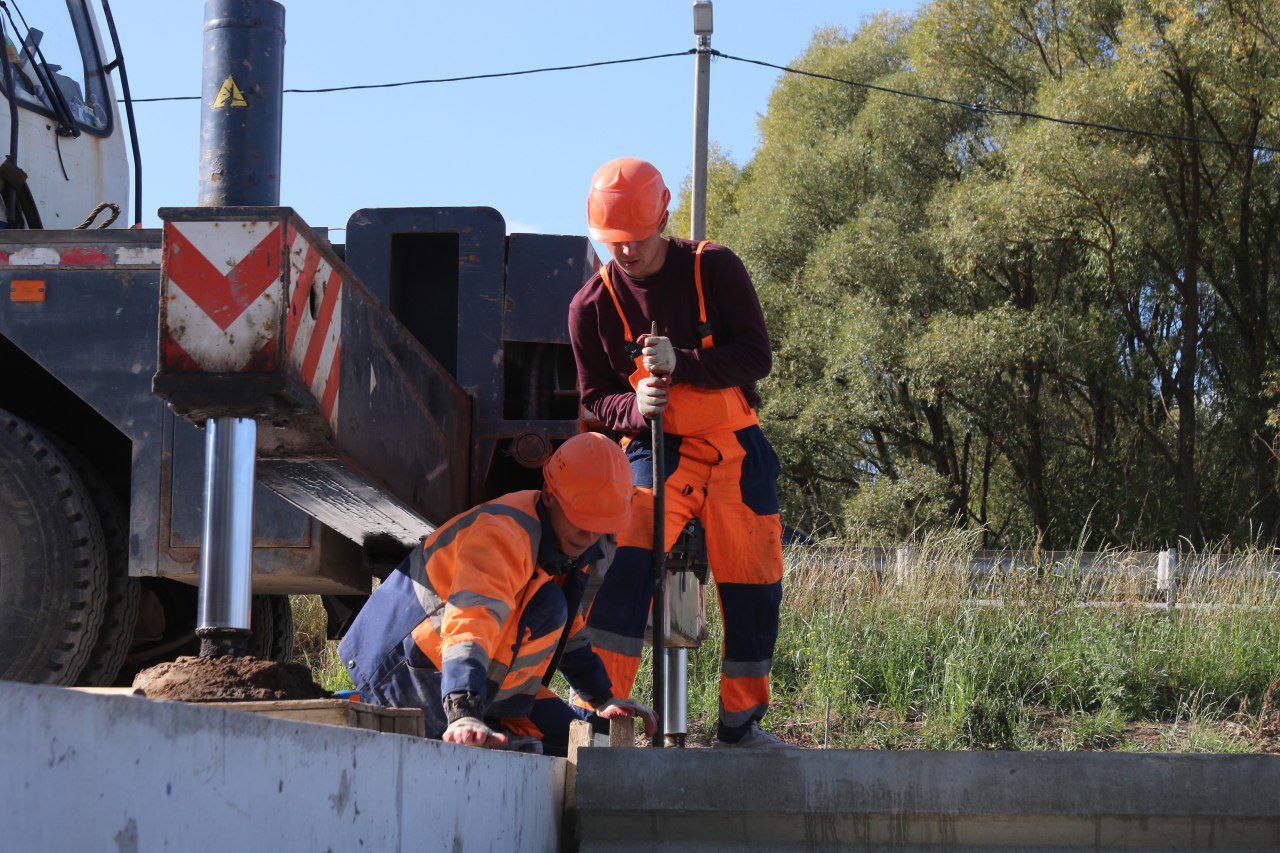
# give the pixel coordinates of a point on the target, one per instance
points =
(700, 373)
(470, 627)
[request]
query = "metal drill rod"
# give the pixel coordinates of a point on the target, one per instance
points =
(242, 96)
(659, 605)
(675, 713)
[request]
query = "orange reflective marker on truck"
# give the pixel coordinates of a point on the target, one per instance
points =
(26, 290)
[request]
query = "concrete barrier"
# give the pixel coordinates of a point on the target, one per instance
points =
(818, 799)
(83, 772)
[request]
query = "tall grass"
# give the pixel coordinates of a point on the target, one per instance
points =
(1064, 653)
(310, 646)
(926, 655)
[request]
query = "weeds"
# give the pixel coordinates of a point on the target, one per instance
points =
(1064, 654)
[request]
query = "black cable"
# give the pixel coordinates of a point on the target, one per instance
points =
(128, 109)
(11, 94)
(984, 109)
(57, 144)
(490, 76)
(990, 110)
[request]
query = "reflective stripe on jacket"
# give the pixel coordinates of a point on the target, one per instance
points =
(460, 594)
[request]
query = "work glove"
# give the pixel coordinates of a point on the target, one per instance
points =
(468, 731)
(659, 357)
(630, 708)
(651, 395)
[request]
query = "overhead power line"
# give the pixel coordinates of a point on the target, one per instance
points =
(985, 109)
(424, 81)
(1001, 111)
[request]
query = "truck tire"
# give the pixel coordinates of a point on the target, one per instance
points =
(53, 563)
(271, 631)
(121, 611)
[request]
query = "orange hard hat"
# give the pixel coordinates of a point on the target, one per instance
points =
(591, 480)
(626, 201)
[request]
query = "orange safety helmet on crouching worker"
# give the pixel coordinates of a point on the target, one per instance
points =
(591, 481)
(627, 201)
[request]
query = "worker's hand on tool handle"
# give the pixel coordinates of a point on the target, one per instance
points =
(630, 708)
(659, 357)
(468, 731)
(651, 395)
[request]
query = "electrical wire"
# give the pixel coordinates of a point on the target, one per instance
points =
(984, 109)
(490, 76)
(1001, 111)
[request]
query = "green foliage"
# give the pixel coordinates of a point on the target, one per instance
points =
(1019, 327)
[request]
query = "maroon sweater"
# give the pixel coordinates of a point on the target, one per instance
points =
(741, 355)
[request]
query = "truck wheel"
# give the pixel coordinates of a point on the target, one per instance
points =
(53, 563)
(271, 632)
(121, 613)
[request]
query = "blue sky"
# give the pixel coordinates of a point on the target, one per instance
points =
(526, 146)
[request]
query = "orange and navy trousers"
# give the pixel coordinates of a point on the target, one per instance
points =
(728, 480)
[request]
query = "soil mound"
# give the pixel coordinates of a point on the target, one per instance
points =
(227, 679)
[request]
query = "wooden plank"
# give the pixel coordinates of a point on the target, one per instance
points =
(622, 732)
(337, 712)
(109, 691)
(580, 735)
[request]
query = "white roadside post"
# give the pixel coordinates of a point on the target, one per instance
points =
(902, 565)
(1167, 576)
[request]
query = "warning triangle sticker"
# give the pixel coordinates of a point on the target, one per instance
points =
(229, 95)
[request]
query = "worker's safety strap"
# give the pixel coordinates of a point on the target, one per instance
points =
(608, 285)
(703, 329)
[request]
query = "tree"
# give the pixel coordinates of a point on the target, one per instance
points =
(1031, 328)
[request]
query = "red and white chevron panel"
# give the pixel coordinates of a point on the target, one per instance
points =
(223, 288)
(313, 325)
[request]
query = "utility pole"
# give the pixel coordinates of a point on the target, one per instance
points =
(240, 107)
(675, 711)
(701, 96)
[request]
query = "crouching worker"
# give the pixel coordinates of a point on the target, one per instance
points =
(473, 624)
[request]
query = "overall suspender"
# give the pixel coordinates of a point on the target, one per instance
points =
(703, 330)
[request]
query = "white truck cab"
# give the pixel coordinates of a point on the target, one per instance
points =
(57, 89)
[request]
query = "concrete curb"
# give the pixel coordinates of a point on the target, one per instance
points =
(86, 772)
(644, 799)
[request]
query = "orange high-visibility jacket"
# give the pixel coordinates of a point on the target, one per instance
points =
(460, 596)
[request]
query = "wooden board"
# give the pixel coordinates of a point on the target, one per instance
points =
(338, 712)
(108, 691)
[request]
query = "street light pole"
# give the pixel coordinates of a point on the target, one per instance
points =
(675, 711)
(701, 96)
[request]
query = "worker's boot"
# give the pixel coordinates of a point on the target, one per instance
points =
(756, 738)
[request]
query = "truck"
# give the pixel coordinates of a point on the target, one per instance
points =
(100, 478)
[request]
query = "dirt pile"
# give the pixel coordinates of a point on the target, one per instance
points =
(227, 679)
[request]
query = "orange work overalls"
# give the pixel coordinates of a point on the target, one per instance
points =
(721, 469)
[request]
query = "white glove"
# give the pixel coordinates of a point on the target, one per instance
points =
(630, 708)
(659, 355)
(651, 395)
(468, 731)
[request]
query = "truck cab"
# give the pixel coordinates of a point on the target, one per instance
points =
(59, 94)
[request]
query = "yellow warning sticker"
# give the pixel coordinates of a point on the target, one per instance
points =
(229, 96)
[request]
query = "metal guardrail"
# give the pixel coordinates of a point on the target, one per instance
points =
(1167, 570)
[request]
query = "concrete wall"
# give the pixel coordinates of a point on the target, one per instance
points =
(820, 799)
(82, 772)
